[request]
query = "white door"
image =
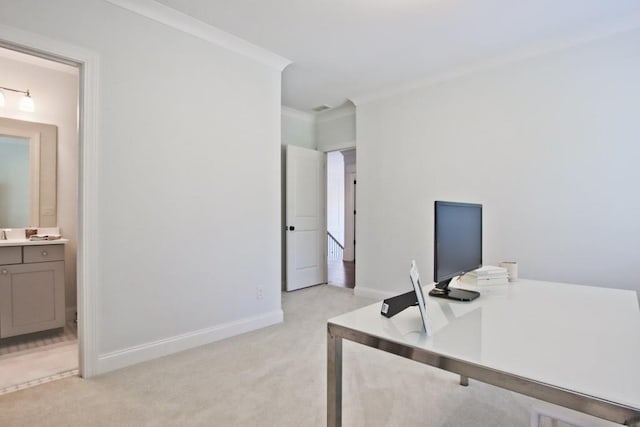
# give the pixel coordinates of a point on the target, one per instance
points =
(306, 240)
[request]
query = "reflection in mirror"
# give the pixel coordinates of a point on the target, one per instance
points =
(28, 170)
(14, 181)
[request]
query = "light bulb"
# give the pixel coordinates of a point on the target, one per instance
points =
(26, 104)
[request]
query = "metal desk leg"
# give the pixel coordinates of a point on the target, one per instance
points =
(334, 380)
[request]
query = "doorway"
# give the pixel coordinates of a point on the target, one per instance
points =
(341, 218)
(40, 355)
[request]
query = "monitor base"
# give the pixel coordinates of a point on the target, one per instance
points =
(454, 294)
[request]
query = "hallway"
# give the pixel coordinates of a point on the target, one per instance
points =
(341, 273)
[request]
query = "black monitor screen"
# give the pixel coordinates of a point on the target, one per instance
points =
(457, 239)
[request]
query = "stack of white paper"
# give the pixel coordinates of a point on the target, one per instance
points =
(487, 275)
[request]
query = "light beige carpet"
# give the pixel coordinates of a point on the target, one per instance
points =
(272, 377)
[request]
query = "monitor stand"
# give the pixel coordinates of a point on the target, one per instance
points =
(442, 290)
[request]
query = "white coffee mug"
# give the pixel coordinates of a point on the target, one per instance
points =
(512, 269)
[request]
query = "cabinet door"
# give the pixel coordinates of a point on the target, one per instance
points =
(31, 298)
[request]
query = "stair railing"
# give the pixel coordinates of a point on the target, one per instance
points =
(335, 249)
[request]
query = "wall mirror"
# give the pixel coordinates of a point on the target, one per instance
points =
(28, 156)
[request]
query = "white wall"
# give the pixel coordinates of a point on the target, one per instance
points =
(55, 95)
(336, 128)
(188, 178)
(329, 130)
(298, 128)
(549, 146)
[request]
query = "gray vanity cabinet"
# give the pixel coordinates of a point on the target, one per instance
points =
(31, 289)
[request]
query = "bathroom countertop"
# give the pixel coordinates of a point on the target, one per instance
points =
(25, 242)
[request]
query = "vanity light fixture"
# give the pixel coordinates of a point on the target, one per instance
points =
(26, 103)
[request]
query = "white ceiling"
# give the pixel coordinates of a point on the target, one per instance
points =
(354, 48)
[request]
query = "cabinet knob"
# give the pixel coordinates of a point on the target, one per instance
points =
(5, 271)
(45, 253)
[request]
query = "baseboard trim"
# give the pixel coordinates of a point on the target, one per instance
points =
(373, 293)
(153, 350)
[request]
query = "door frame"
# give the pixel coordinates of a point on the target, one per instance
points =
(350, 177)
(350, 215)
(348, 202)
(87, 63)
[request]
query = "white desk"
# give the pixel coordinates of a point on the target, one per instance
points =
(574, 346)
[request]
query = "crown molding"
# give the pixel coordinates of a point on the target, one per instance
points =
(297, 114)
(540, 49)
(342, 147)
(16, 56)
(324, 116)
(190, 25)
(336, 113)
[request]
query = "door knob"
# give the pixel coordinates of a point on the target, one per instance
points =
(5, 271)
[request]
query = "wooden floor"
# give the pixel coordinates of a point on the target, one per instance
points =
(341, 273)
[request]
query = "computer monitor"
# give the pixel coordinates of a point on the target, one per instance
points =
(457, 247)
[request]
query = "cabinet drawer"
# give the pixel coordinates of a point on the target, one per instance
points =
(11, 255)
(43, 253)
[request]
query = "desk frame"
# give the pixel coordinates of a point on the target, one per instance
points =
(580, 402)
